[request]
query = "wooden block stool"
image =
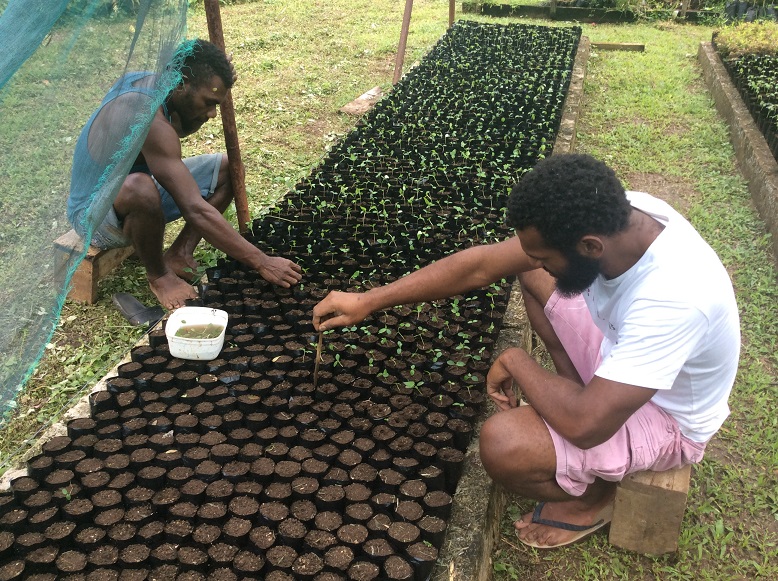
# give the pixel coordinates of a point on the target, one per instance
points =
(648, 511)
(96, 264)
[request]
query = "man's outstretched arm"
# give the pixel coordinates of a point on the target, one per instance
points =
(458, 273)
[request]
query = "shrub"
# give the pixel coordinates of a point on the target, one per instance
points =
(760, 38)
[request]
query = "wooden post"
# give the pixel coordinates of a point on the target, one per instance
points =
(452, 7)
(684, 9)
(552, 9)
(398, 64)
(237, 170)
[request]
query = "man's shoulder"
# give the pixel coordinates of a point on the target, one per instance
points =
(137, 80)
(653, 206)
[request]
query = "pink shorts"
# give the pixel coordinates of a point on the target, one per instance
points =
(649, 440)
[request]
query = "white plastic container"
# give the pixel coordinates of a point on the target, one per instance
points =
(198, 349)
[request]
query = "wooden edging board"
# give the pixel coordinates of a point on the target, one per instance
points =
(754, 157)
(627, 46)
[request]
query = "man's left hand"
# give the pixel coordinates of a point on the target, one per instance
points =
(280, 271)
(499, 381)
(232, 69)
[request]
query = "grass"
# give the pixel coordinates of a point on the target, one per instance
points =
(648, 114)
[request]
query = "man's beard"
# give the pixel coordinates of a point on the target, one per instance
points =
(190, 126)
(579, 275)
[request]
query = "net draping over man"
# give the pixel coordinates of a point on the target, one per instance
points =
(59, 59)
(161, 185)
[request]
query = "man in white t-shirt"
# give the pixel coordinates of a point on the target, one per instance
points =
(639, 317)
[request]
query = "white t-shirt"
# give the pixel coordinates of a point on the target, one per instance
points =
(671, 323)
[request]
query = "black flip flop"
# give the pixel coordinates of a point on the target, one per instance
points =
(581, 531)
(135, 311)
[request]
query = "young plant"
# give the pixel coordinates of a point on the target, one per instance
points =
(413, 385)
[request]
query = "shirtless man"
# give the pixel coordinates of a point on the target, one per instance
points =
(639, 317)
(161, 186)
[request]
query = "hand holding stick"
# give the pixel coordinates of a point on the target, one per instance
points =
(318, 359)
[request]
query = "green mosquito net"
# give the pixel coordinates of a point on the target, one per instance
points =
(58, 59)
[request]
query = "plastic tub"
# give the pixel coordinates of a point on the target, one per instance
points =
(198, 349)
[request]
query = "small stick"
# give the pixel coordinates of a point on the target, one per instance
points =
(318, 358)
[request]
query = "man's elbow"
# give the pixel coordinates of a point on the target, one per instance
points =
(198, 215)
(586, 437)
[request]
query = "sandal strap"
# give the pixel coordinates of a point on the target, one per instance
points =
(559, 524)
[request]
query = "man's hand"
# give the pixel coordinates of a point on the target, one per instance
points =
(340, 309)
(499, 381)
(280, 271)
(232, 69)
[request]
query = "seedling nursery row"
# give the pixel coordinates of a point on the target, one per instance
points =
(252, 466)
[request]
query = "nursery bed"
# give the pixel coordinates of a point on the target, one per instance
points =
(756, 161)
(241, 467)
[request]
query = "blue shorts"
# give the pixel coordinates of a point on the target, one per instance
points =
(204, 170)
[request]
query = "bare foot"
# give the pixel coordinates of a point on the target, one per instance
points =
(184, 267)
(171, 291)
(574, 512)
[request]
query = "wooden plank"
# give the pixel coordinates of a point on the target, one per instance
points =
(363, 103)
(671, 480)
(628, 46)
(648, 511)
(83, 285)
(70, 241)
(96, 264)
(110, 259)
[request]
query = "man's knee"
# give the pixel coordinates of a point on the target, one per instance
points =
(138, 193)
(493, 446)
(516, 443)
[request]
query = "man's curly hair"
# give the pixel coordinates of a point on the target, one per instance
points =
(203, 62)
(566, 197)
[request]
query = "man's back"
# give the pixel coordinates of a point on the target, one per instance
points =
(671, 323)
(103, 134)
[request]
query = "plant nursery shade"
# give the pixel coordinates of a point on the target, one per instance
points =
(252, 464)
(57, 61)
